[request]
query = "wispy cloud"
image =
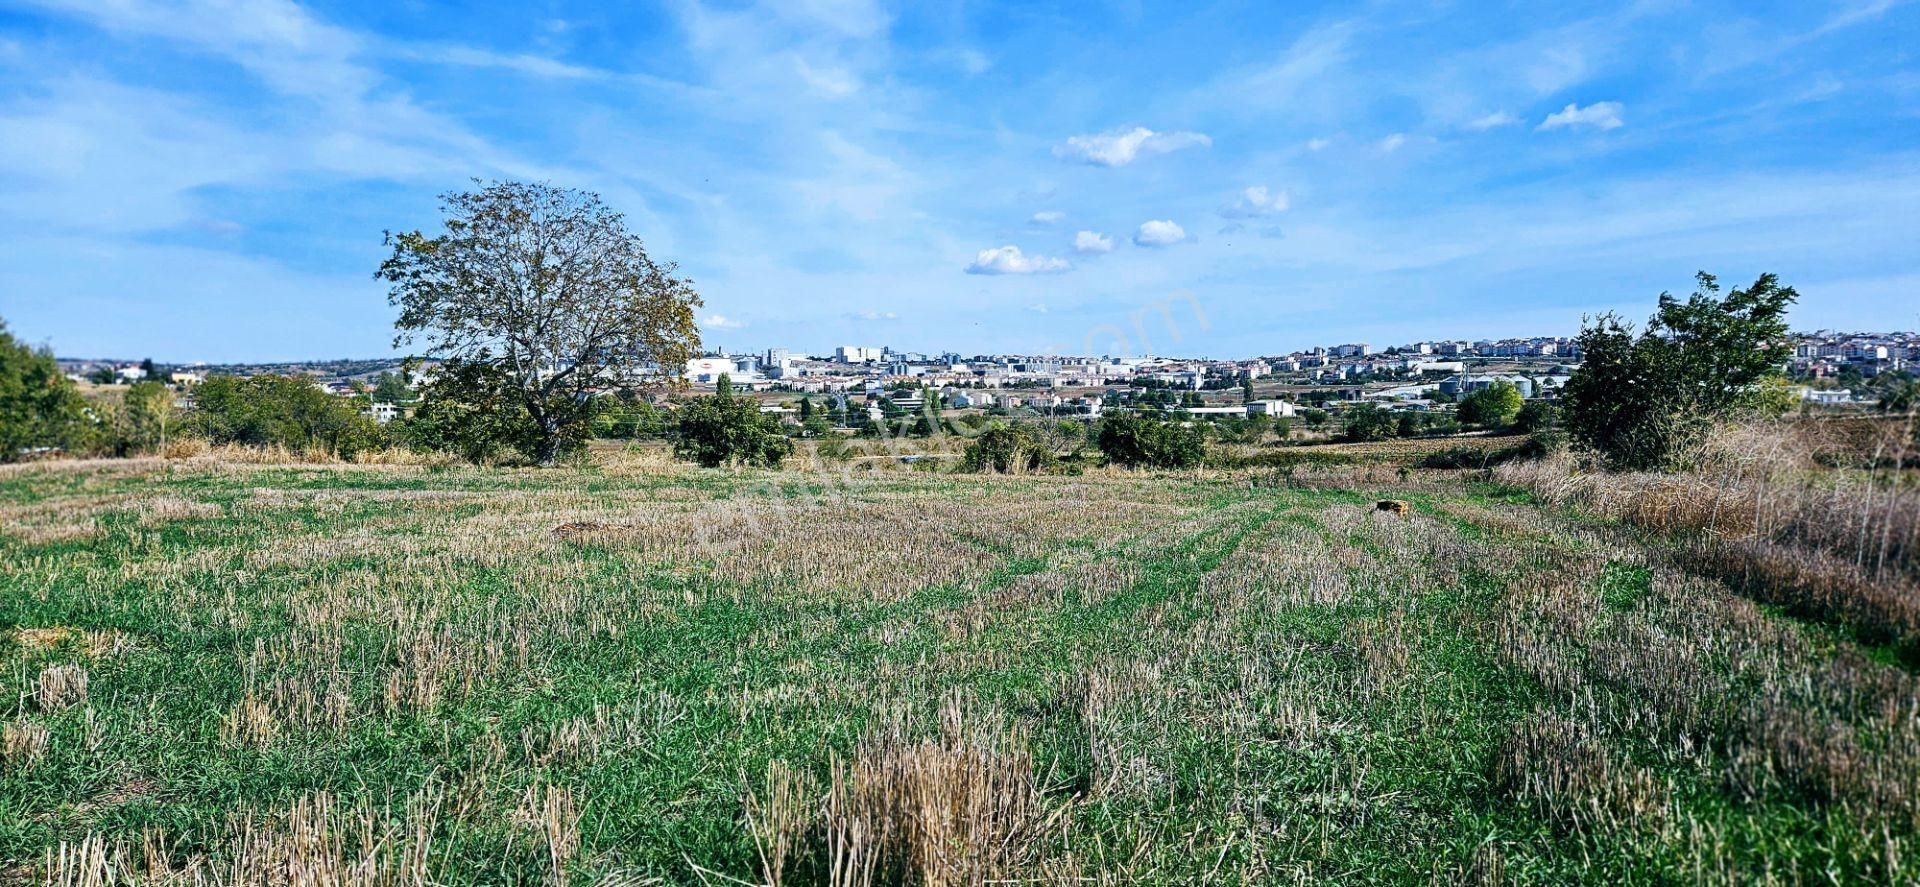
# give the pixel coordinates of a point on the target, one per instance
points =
(1599, 115)
(1256, 201)
(1120, 147)
(720, 322)
(1048, 217)
(1010, 260)
(1494, 120)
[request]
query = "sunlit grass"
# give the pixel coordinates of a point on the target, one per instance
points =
(274, 673)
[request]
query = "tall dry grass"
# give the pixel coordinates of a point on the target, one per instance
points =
(1817, 518)
(965, 808)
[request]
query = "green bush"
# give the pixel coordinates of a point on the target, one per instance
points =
(1491, 407)
(1536, 416)
(1646, 400)
(1003, 448)
(1368, 422)
(39, 408)
(722, 429)
(1139, 441)
(269, 410)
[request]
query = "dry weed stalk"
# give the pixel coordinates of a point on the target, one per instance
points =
(965, 809)
(317, 842)
(59, 686)
(552, 815)
(23, 743)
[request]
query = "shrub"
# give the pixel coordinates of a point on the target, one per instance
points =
(470, 410)
(39, 408)
(1138, 441)
(281, 411)
(1647, 401)
(1536, 447)
(1368, 422)
(1537, 415)
(1491, 407)
(722, 429)
(1002, 448)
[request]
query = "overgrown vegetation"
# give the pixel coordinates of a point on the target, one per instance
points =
(280, 411)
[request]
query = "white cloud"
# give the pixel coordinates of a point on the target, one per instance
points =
(1492, 121)
(720, 322)
(1092, 242)
(1159, 232)
(1038, 307)
(1048, 217)
(1119, 147)
(1010, 260)
(1393, 142)
(871, 315)
(1601, 115)
(1257, 201)
(1318, 144)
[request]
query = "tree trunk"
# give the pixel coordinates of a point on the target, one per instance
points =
(548, 452)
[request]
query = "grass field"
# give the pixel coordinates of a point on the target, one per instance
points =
(632, 672)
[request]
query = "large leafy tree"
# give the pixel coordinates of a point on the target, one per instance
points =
(1646, 400)
(547, 288)
(39, 407)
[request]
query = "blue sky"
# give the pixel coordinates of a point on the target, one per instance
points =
(210, 180)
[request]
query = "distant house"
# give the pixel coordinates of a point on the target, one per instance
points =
(1831, 398)
(187, 380)
(1274, 408)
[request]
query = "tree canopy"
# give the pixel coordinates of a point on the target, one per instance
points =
(1493, 406)
(39, 407)
(1646, 400)
(547, 287)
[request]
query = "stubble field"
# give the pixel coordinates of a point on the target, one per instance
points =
(631, 672)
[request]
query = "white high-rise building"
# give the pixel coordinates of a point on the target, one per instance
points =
(857, 354)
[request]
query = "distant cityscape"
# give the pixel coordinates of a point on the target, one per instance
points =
(1412, 376)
